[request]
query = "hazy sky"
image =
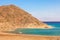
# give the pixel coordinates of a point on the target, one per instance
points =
(46, 10)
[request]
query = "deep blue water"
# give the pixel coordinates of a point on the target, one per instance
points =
(55, 24)
(50, 32)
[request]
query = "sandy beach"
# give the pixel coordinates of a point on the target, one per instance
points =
(8, 36)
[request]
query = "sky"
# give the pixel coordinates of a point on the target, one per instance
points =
(45, 10)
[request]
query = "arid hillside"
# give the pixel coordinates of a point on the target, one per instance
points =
(13, 17)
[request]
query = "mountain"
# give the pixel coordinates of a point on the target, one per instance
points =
(13, 17)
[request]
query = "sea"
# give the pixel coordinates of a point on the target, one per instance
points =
(48, 32)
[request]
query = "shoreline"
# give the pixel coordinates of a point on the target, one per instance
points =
(9, 36)
(13, 34)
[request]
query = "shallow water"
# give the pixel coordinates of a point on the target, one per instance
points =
(51, 32)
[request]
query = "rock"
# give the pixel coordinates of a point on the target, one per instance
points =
(13, 17)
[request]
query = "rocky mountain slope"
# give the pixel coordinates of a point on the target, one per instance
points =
(13, 17)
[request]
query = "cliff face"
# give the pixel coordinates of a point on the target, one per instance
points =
(12, 17)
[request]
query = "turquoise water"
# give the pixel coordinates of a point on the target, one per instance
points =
(51, 32)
